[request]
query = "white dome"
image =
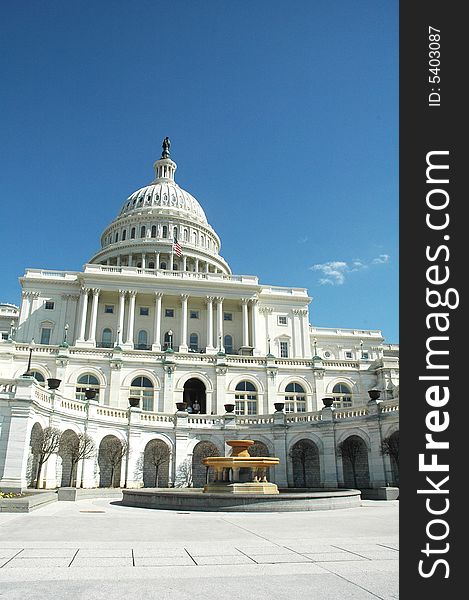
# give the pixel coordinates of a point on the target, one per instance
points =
(164, 194)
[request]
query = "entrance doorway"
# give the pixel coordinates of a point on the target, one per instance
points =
(194, 395)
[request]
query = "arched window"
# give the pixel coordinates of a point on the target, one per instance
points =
(124, 234)
(132, 233)
(116, 239)
(142, 231)
(245, 398)
(106, 339)
(142, 340)
(186, 235)
(342, 395)
(295, 398)
(175, 232)
(194, 342)
(163, 266)
(165, 231)
(168, 342)
(151, 265)
(228, 344)
(175, 266)
(142, 387)
(38, 376)
(153, 231)
(84, 382)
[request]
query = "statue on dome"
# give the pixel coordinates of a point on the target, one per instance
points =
(166, 147)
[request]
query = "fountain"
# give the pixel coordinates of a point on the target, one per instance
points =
(229, 493)
(227, 469)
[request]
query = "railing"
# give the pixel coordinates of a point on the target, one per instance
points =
(7, 386)
(388, 406)
(303, 417)
(350, 413)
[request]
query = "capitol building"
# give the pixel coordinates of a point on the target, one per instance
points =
(204, 355)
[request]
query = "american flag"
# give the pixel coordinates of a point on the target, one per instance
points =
(177, 247)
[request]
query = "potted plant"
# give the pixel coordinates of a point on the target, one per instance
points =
(328, 402)
(134, 401)
(279, 406)
(229, 408)
(374, 394)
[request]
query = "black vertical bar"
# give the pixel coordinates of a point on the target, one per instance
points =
(433, 231)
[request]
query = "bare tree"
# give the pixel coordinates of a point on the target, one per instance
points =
(390, 446)
(77, 447)
(45, 442)
(300, 452)
(157, 454)
(113, 451)
(184, 474)
(351, 449)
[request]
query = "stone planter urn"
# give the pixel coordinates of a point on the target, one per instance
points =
(53, 383)
(374, 394)
(279, 406)
(181, 406)
(134, 401)
(229, 408)
(328, 402)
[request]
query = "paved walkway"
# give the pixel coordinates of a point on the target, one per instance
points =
(97, 549)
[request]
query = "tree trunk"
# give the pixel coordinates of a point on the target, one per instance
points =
(38, 476)
(354, 474)
(112, 477)
(303, 467)
(156, 476)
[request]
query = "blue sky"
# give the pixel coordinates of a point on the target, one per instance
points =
(283, 119)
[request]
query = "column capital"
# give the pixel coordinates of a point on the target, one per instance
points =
(184, 297)
(254, 301)
(132, 293)
(219, 299)
(85, 290)
(209, 299)
(96, 291)
(158, 295)
(244, 301)
(122, 292)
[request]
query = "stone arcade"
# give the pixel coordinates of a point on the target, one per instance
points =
(156, 314)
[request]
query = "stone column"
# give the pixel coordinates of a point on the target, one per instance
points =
(184, 263)
(220, 324)
(84, 310)
(94, 316)
(305, 333)
(157, 260)
(144, 263)
(375, 458)
(25, 307)
(120, 329)
(209, 347)
(157, 323)
(329, 467)
(196, 265)
(183, 344)
(255, 325)
(244, 305)
(131, 318)
(171, 261)
(296, 341)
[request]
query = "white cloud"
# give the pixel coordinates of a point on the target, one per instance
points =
(382, 259)
(335, 272)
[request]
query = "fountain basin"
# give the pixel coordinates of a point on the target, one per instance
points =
(194, 499)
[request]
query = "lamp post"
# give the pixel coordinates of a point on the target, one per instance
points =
(170, 336)
(90, 394)
(65, 333)
(31, 348)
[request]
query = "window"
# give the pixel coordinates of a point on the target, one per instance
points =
(132, 233)
(124, 234)
(142, 231)
(109, 309)
(86, 382)
(194, 314)
(151, 265)
(106, 339)
(153, 231)
(169, 312)
(342, 395)
(168, 341)
(245, 398)
(365, 355)
(142, 340)
(194, 342)
(49, 305)
(4, 335)
(165, 231)
(228, 344)
(227, 316)
(295, 398)
(282, 320)
(163, 266)
(144, 311)
(45, 335)
(142, 388)
(284, 349)
(348, 355)
(175, 233)
(116, 239)
(39, 377)
(186, 235)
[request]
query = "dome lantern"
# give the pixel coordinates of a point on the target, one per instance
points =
(164, 167)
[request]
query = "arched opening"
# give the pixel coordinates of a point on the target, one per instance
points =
(110, 457)
(156, 464)
(142, 387)
(195, 396)
(228, 344)
(38, 376)
(86, 382)
(305, 464)
(194, 342)
(245, 398)
(68, 450)
(200, 473)
(342, 395)
(142, 340)
(106, 340)
(354, 455)
(295, 398)
(390, 448)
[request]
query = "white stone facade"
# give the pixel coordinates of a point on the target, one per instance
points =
(143, 319)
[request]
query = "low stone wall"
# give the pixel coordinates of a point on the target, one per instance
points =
(381, 493)
(71, 494)
(27, 503)
(195, 499)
